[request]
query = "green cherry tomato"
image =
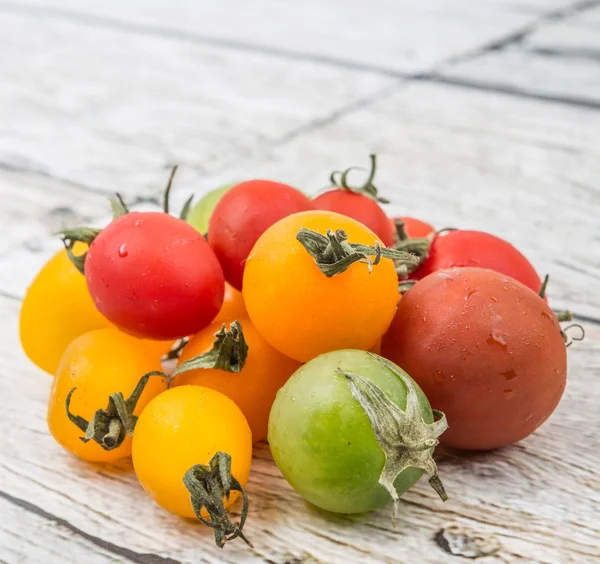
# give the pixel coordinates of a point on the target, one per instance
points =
(325, 443)
(200, 213)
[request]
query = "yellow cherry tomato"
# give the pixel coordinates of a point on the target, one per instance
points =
(298, 309)
(56, 309)
(233, 306)
(253, 389)
(183, 427)
(98, 364)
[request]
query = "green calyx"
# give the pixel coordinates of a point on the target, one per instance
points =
(109, 427)
(339, 179)
(334, 255)
(208, 484)
(418, 246)
(406, 440)
(71, 236)
(229, 352)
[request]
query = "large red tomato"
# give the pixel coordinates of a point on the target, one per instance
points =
(154, 276)
(476, 248)
(243, 214)
(485, 349)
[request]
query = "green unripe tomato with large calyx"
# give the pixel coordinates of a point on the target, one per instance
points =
(351, 431)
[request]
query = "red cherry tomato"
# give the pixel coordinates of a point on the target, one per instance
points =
(359, 207)
(476, 248)
(485, 349)
(415, 228)
(154, 276)
(243, 214)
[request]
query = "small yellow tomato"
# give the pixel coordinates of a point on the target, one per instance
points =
(183, 427)
(56, 309)
(98, 364)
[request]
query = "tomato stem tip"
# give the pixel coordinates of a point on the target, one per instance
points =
(339, 179)
(405, 438)
(109, 427)
(208, 484)
(334, 255)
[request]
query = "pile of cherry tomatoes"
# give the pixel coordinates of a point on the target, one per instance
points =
(354, 342)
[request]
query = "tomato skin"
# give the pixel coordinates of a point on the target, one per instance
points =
(359, 207)
(476, 248)
(415, 228)
(185, 426)
(253, 389)
(322, 440)
(314, 314)
(233, 306)
(98, 364)
(57, 308)
(485, 349)
(241, 217)
(154, 276)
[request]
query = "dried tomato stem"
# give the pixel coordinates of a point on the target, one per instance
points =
(168, 189)
(109, 427)
(334, 255)
(366, 189)
(208, 484)
(229, 352)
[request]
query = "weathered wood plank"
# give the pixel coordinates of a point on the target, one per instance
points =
(390, 36)
(27, 538)
(539, 499)
(560, 60)
(110, 110)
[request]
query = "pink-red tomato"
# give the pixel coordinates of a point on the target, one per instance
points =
(154, 276)
(476, 248)
(359, 207)
(415, 228)
(485, 349)
(243, 214)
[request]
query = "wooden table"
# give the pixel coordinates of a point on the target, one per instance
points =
(485, 115)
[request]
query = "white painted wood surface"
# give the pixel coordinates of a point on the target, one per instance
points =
(102, 96)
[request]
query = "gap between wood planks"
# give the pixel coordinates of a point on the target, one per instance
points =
(498, 44)
(129, 555)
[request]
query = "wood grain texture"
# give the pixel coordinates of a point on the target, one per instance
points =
(560, 60)
(391, 36)
(539, 498)
(108, 109)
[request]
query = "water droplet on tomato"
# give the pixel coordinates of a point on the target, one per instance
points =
(509, 393)
(439, 376)
(496, 338)
(452, 377)
(469, 294)
(138, 223)
(509, 374)
(545, 314)
(494, 299)
(123, 252)
(529, 416)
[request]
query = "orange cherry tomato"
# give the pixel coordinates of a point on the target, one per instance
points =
(298, 309)
(98, 364)
(253, 389)
(182, 427)
(56, 309)
(233, 306)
